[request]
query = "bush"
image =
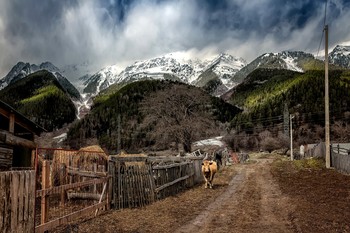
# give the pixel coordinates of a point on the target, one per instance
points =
(269, 144)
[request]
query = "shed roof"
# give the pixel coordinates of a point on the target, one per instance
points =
(20, 119)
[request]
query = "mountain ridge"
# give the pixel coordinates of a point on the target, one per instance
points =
(169, 65)
(42, 98)
(217, 74)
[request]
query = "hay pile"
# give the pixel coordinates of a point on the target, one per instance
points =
(90, 155)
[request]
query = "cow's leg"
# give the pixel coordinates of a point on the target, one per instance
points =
(211, 181)
(206, 182)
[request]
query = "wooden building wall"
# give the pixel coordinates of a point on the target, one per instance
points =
(6, 155)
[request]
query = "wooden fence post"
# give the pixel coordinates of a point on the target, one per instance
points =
(95, 170)
(62, 181)
(32, 162)
(45, 185)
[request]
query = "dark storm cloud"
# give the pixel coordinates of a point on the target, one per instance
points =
(26, 18)
(108, 32)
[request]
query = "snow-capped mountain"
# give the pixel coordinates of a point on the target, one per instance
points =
(290, 60)
(340, 55)
(101, 80)
(171, 66)
(226, 65)
(21, 70)
(221, 69)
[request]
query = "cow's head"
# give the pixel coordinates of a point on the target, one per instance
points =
(206, 166)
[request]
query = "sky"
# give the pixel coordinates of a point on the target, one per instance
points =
(109, 32)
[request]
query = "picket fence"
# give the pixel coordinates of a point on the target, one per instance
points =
(17, 201)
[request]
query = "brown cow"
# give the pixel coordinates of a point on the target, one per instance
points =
(209, 168)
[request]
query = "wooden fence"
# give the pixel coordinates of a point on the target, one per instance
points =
(71, 184)
(171, 179)
(56, 194)
(138, 181)
(340, 159)
(131, 181)
(17, 195)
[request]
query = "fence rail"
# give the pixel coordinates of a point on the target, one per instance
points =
(17, 195)
(173, 178)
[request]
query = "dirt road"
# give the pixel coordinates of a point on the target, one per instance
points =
(260, 196)
(252, 203)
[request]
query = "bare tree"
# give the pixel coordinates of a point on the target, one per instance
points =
(268, 142)
(340, 131)
(178, 114)
(284, 142)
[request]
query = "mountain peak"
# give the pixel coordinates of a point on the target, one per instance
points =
(340, 55)
(290, 60)
(180, 66)
(342, 49)
(49, 67)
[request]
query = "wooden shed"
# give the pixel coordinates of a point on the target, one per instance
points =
(16, 138)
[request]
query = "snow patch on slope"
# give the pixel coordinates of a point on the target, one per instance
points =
(60, 138)
(217, 141)
(291, 64)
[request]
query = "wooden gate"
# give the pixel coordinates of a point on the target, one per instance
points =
(71, 185)
(133, 185)
(17, 195)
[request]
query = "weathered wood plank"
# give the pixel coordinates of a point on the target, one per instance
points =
(16, 141)
(2, 201)
(46, 184)
(20, 201)
(129, 159)
(68, 218)
(90, 174)
(13, 198)
(31, 202)
(26, 191)
(58, 189)
(14, 201)
(170, 165)
(8, 200)
(171, 183)
(102, 196)
(93, 196)
(12, 123)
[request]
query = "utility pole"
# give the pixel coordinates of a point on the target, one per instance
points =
(291, 137)
(326, 98)
(118, 133)
(286, 119)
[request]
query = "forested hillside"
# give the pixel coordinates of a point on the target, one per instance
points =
(41, 98)
(145, 113)
(266, 94)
